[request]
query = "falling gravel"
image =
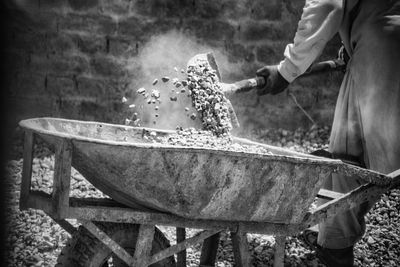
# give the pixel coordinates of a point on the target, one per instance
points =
(208, 98)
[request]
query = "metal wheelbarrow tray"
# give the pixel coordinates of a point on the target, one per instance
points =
(187, 186)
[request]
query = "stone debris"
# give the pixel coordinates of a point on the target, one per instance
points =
(175, 80)
(141, 90)
(208, 98)
(191, 137)
(124, 99)
(155, 94)
(155, 82)
(193, 116)
(202, 86)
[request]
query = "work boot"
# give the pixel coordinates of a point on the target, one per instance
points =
(330, 257)
(336, 257)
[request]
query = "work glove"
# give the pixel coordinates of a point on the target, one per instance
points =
(274, 82)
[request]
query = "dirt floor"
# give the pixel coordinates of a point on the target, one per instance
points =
(34, 239)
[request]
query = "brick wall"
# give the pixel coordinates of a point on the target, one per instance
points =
(76, 59)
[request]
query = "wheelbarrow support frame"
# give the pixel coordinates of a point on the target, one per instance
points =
(60, 206)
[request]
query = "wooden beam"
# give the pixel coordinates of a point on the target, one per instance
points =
(240, 249)
(180, 237)
(62, 179)
(182, 245)
(279, 254)
(209, 250)
(106, 240)
(95, 202)
(128, 215)
(366, 192)
(26, 170)
(143, 245)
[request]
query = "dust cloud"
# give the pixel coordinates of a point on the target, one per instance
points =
(167, 55)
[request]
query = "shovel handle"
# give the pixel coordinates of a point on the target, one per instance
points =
(257, 82)
(325, 66)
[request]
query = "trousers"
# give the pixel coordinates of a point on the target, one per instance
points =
(366, 123)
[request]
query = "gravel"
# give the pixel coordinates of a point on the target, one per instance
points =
(201, 84)
(208, 98)
(34, 239)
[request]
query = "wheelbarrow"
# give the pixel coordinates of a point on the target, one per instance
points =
(185, 187)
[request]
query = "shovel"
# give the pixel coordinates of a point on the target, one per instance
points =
(209, 57)
(258, 82)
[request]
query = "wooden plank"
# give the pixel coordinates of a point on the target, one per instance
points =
(111, 244)
(209, 250)
(127, 215)
(104, 202)
(180, 237)
(240, 249)
(143, 245)
(367, 192)
(328, 194)
(279, 255)
(182, 245)
(26, 170)
(62, 179)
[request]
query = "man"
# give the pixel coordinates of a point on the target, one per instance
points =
(366, 124)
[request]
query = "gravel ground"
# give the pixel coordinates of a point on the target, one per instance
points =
(34, 239)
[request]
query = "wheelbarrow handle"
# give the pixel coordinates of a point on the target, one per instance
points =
(259, 81)
(395, 178)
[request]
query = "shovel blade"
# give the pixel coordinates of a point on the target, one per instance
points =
(209, 57)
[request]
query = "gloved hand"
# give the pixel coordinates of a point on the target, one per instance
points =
(275, 83)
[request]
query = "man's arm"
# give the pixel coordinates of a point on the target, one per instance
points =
(319, 22)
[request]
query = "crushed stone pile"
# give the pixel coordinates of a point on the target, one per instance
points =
(206, 139)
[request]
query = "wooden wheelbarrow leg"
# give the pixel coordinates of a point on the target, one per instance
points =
(240, 249)
(62, 179)
(279, 254)
(26, 170)
(143, 246)
(209, 250)
(181, 256)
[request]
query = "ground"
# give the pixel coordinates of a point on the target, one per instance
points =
(34, 239)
